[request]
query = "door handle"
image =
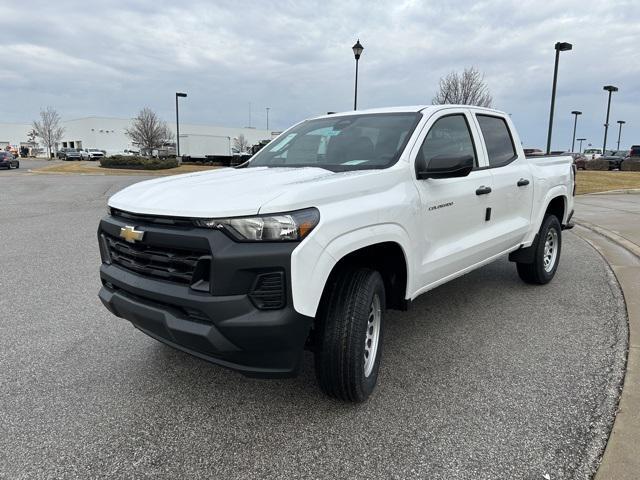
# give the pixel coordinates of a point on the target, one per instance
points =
(483, 190)
(523, 182)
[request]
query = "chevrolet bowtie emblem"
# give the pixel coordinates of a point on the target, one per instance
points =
(130, 234)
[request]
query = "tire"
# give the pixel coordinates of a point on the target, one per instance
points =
(353, 317)
(545, 263)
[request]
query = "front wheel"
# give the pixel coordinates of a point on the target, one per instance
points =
(546, 253)
(349, 335)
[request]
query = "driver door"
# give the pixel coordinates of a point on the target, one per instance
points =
(453, 210)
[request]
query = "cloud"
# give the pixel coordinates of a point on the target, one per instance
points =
(112, 58)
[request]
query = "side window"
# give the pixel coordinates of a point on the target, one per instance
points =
(498, 140)
(450, 135)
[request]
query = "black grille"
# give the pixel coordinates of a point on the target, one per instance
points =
(153, 219)
(172, 264)
(268, 292)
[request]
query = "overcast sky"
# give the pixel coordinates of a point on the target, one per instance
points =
(112, 58)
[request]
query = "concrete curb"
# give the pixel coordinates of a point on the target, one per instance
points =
(621, 458)
(614, 237)
(618, 191)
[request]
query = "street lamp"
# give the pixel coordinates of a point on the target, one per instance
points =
(183, 95)
(610, 89)
(620, 122)
(580, 140)
(268, 108)
(357, 51)
(560, 47)
(575, 124)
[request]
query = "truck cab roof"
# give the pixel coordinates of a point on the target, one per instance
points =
(411, 109)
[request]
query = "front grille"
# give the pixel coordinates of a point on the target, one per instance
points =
(172, 264)
(268, 292)
(153, 219)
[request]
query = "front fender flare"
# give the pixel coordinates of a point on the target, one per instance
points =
(312, 263)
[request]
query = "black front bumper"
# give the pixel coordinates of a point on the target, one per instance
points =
(223, 325)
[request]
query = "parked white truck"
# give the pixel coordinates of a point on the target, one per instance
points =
(339, 218)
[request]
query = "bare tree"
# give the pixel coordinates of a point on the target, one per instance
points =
(468, 88)
(48, 128)
(240, 144)
(149, 131)
(31, 136)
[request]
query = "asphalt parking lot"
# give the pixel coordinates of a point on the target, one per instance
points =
(485, 377)
(26, 164)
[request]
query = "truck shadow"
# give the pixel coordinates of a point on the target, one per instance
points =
(444, 318)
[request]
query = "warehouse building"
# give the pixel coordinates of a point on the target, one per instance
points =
(109, 134)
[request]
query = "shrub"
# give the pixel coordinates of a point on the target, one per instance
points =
(204, 163)
(597, 164)
(138, 163)
(630, 165)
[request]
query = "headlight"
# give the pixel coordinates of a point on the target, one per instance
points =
(267, 228)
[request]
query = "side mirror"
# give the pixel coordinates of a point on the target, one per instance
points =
(445, 166)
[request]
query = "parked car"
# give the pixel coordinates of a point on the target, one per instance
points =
(532, 151)
(615, 158)
(7, 160)
(592, 153)
(124, 153)
(635, 151)
(339, 218)
(70, 154)
(579, 160)
(91, 154)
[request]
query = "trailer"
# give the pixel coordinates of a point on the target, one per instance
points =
(204, 147)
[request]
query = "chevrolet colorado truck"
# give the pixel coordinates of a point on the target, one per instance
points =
(305, 246)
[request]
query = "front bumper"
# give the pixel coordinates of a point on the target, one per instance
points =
(223, 326)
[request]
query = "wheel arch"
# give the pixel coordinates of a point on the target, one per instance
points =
(557, 206)
(388, 258)
(384, 247)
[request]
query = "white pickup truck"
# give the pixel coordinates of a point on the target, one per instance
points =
(309, 242)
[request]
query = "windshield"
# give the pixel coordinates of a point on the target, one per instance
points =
(355, 142)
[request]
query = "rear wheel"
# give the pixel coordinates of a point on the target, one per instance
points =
(546, 253)
(349, 335)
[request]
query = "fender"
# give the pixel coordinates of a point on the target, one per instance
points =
(538, 216)
(311, 263)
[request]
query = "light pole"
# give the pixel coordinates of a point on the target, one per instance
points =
(268, 108)
(560, 47)
(610, 89)
(357, 51)
(178, 95)
(575, 124)
(620, 122)
(580, 140)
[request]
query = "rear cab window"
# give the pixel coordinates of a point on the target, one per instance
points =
(498, 140)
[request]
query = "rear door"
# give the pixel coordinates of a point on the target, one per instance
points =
(512, 195)
(452, 210)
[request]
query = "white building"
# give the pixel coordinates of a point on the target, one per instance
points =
(109, 133)
(14, 134)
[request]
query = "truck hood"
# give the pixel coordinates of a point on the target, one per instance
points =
(226, 192)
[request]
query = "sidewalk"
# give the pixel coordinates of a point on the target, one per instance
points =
(611, 223)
